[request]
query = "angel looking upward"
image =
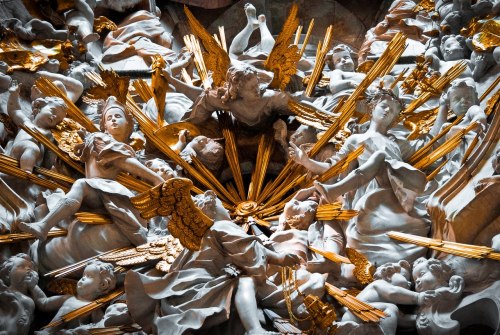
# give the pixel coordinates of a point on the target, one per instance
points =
(105, 156)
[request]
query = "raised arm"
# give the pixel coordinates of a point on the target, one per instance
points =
(134, 167)
(441, 116)
(399, 295)
(14, 107)
(301, 157)
(74, 88)
(44, 303)
(191, 92)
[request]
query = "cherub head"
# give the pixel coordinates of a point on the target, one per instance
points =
(298, 214)
(304, 134)
(211, 206)
(385, 107)
(342, 59)
(397, 274)
(48, 112)
(452, 47)
(116, 121)
(18, 270)
(207, 150)
(241, 83)
(161, 167)
(98, 279)
(430, 274)
(462, 95)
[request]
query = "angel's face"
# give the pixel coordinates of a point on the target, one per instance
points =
(115, 122)
(342, 61)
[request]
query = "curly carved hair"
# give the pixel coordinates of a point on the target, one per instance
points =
(38, 104)
(463, 83)
(386, 271)
(236, 76)
(106, 275)
(7, 265)
(438, 268)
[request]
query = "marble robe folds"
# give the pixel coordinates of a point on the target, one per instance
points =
(197, 292)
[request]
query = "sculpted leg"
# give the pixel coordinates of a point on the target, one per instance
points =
(65, 208)
(357, 178)
(240, 41)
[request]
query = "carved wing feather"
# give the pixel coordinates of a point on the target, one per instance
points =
(284, 56)
(216, 59)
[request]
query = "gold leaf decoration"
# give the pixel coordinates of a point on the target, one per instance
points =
(216, 59)
(282, 60)
(102, 22)
(67, 137)
(112, 85)
(173, 198)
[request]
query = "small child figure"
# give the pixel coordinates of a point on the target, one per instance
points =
(391, 287)
(98, 279)
(20, 276)
(47, 113)
(161, 167)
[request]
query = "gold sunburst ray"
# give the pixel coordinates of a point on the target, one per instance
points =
(266, 146)
(216, 59)
(306, 38)
(159, 85)
(231, 151)
(331, 255)
(454, 248)
(143, 89)
(18, 237)
(77, 313)
(434, 173)
(323, 48)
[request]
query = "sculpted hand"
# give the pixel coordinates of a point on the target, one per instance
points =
(297, 154)
(289, 259)
(426, 298)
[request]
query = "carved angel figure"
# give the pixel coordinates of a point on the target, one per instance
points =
(220, 260)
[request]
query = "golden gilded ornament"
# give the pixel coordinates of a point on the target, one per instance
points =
(322, 314)
(363, 269)
(67, 137)
(282, 60)
(216, 59)
(159, 84)
(173, 198)
(164, 250)
(101, 23)
(111, 85)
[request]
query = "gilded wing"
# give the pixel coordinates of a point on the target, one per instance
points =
(172, 198)
(363, 269)
(216, 59)
(113, 85)
(164, 250)
(361, 309)
(310, 116)
(282, 60)
(67, 137)
(420, 123)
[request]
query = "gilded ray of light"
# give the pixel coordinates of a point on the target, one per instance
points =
(231, 151)
(438, 86)
(93, 218)
(454, 248)
(444, 148)
(48, 88)
(340, 166)
(290, 184)
(18, 237)
(283, 58)
(266, 146)
(149, 129)
(116, 330)
(434, 173)
(471, 147)
(383, 65)
(334, 212)
(215, 58)
(82, 311)
(193, 46)
(423, 151)
(323, 48)
(331, 256)
(399, 78)
(306, 39)
(11, 167)
(363, 310)
(143, 89)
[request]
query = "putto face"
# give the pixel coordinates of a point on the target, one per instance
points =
(89, 285)
(452, 49)
(300, 214)
(51, 114)
(342, 61)
(250, 89)
(461, 99)
(22, 272)
(424, 279)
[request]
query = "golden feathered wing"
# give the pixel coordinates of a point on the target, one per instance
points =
(216, 59)
(282, 60)
(173, 198)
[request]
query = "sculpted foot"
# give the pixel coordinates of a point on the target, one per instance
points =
(36, 228)
(251, 13)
